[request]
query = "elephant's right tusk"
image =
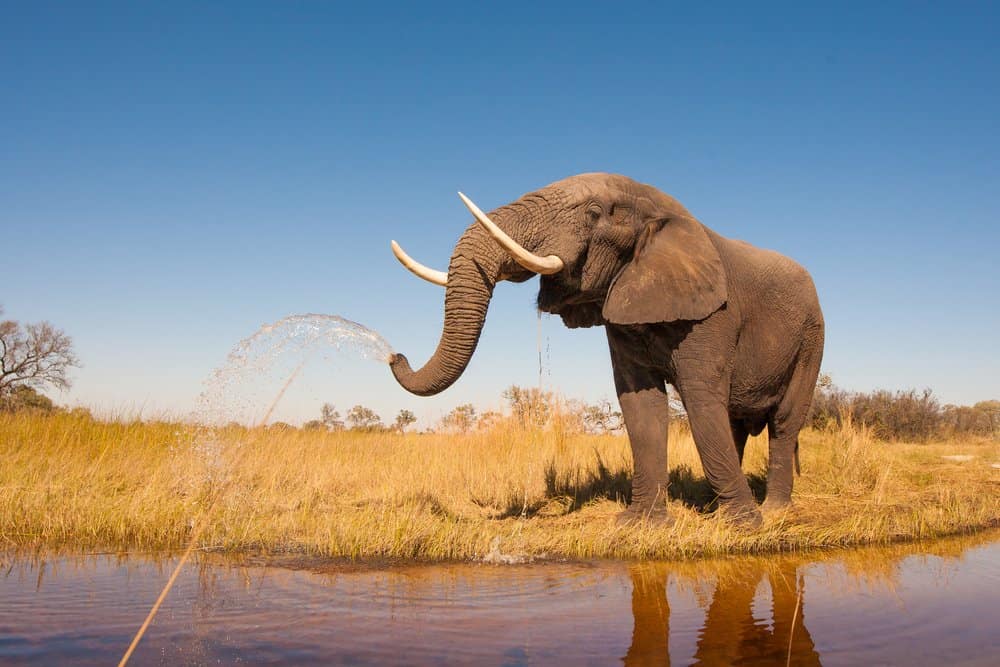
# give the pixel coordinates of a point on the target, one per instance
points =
(418, 269)
(529, 260)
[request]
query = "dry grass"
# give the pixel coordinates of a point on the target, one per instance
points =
(68, 481)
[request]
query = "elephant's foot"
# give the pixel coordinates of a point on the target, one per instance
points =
(656, 516)
(776, 505)
(741, 514)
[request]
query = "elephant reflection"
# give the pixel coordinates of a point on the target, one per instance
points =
(731, 635)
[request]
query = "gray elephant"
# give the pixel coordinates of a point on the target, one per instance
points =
(737, 330)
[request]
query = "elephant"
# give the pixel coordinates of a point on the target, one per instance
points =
(737, 330)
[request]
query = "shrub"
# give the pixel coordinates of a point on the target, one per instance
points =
(901, 415)
(23, 397)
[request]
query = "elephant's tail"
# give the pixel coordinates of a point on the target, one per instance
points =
(798, 468)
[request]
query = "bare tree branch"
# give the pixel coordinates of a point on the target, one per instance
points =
(34, 355)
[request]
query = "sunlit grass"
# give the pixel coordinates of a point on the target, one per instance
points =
(67, 480)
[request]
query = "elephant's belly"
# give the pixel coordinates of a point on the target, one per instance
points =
(760, 377)
(753, 402)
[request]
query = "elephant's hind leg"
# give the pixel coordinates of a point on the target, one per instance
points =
(740, 435)
(784, 426)
(742, 429)
(783, 442)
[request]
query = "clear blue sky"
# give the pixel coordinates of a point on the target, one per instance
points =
(173, 176)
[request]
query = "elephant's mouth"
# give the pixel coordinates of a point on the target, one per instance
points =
(554, 297)
(585, 297)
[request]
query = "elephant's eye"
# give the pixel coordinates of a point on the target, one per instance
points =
(620, 214)
(594, 212)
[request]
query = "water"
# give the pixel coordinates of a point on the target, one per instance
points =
(933, 603)
(260, 367)
(258, 371)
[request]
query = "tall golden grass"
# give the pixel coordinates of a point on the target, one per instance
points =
(73, 482)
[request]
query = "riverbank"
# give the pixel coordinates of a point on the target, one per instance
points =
(503, 494)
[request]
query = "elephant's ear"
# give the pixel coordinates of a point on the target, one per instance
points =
(676, 274)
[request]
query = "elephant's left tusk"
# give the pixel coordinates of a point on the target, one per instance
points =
(418, 269)
(527, 259)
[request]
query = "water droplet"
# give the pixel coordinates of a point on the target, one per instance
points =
(243, 389)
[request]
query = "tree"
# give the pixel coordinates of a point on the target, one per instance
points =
(531, 407)
(403, 419)
(461, 419)
(363, 419)
(331, 418)
(34, 355)
(489, 419)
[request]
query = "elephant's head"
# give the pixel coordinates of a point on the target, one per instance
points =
(610, 250)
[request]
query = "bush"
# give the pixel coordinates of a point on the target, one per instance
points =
(23, 397)
(982, 419)
(901, 415)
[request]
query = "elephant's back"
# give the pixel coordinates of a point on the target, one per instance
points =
(759, 278)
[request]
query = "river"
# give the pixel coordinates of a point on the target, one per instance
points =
(922, 604)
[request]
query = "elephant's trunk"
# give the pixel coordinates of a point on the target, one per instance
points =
(476, 265)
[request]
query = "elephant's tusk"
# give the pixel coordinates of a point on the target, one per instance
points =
(418, 269)
(529, 260)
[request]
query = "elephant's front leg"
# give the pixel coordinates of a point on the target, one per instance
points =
(643, 399)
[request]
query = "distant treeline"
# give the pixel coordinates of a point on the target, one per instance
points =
(892, 415)
(25, 398)
(909, 415)
(902, 415)
(526, 408)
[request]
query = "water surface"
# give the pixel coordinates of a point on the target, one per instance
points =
(935, 603)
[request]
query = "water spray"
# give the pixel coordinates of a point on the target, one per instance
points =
(306, 333)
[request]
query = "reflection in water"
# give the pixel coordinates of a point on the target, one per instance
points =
(651, 616)
(923, 604)
(732, 633)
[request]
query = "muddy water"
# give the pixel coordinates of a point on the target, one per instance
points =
(936, 603)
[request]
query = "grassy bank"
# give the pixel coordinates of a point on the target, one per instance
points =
(67, 480)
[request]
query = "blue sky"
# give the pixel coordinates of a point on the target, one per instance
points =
(174, 176)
